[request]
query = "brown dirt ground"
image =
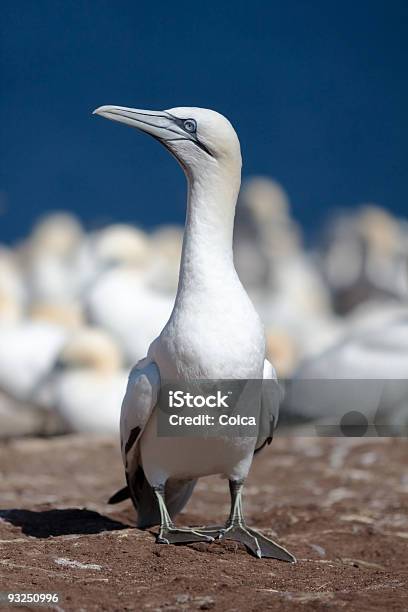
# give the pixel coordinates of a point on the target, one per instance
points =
(340, 505)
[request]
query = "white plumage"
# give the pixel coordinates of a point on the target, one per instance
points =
(89, 382)
(213, 332)
(27, 354)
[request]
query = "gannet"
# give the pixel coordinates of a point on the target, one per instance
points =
(264, 232)
(88, 382)
(213, 332)
(121, 302)
(365, 258)
(119, 298)
(49, 258)
(28, 351)
(281, 277)
(105, 249)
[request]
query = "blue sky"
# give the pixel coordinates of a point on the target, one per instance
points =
(317, 91)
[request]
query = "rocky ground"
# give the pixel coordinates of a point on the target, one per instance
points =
(340, 505)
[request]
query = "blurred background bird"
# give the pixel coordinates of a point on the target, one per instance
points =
(78, 307)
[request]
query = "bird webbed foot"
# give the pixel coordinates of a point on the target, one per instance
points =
(255, 542)
(178, 535)
(213, 531)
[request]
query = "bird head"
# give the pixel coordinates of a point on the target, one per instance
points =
(197, 137)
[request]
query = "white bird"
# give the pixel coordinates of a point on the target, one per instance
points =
(365, 258)
(121, 302)
(49, 258)
(280, 275)
(29, 349)
(27, 354)
(213, 332)
(88, 382)
(264, 232)
(119, 297)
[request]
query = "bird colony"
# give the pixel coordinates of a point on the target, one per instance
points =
(79, 308)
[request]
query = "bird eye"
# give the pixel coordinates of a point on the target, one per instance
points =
(190, 125)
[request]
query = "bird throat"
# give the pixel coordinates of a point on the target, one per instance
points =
(207, 258)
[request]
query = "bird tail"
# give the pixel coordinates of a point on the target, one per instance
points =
(144, 499)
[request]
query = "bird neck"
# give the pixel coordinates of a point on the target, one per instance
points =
(207, 245)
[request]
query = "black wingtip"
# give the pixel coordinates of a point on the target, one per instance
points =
(119, 496)
(267, 441)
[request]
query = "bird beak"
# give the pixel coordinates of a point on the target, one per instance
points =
(156, 123)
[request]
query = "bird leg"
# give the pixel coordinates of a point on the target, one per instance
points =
(236, 529)
(169, 533)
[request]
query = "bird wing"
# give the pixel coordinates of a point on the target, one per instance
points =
(140, 399)
(271, 397)
(138, 404)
